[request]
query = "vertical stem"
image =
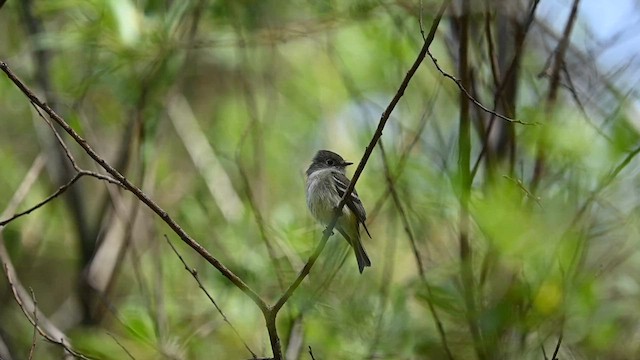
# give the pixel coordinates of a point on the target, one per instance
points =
(270, 319)
(554, 85)
(464, 170)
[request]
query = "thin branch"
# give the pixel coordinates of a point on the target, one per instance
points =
(477, 103)
(57, 193)
(194, 274)
(506, 79)
(574, 95)
(35, 324)
(43, 325)
(555, 352)
(554, 83)
(404, 156)
(311, 353)
(257, 215)
(121, 346)
(401, 212)
(232, 277)
(60, 342)
(271, 313)
(62, 144)
(527, 192)
(374, 140)
(80, 173)
(416, 252)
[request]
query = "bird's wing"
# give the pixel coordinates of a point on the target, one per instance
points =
(353, 201)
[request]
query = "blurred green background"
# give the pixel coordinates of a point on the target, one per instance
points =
(215, 109)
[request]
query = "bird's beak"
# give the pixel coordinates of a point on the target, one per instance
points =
(346, 163)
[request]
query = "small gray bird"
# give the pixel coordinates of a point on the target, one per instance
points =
(326, 184)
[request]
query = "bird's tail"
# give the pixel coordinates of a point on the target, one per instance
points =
(361, 255)
(354, 240)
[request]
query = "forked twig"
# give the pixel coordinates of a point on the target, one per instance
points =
(60, 342)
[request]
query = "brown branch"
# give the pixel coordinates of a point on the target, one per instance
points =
(506, 79)
(60, 342)
(257, 215)
(477, 103)
(555, 352)
(574, 95)
(374, 140)
(121, 346)
(404, 157)
(416, 252)
(80, 173)
(271, 313)
(35, 324)
(57, 193)
(239, 283)
(554, 83)
(43, 325)
(194, 274)
(544, 353)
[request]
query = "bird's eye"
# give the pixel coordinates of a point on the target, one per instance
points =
(330, 162)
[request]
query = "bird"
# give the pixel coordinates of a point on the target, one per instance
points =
(326, 184)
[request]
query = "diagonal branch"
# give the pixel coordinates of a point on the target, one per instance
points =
(194, 274)
(363, 162)
(477, 103)
(239, 283)
(416, 253)
(272, 312)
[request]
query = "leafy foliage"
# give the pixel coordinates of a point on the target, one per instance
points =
(552, 215)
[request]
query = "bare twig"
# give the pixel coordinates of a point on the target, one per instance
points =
(257, 215)
(519, 183)
(35, 324)
(43, 325)
(121, 346)
(232, 277)
(574, 95)
(62, 342)
(477, 103)
(27, 183)
(365, 157)
(555, 352)
(404, 157)
(79, 173)
(506, 79)
(194, 274)
(416, 253)
(554, 83)
(57, 193)
(62, 144)
(311, 353)
(271, 313)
